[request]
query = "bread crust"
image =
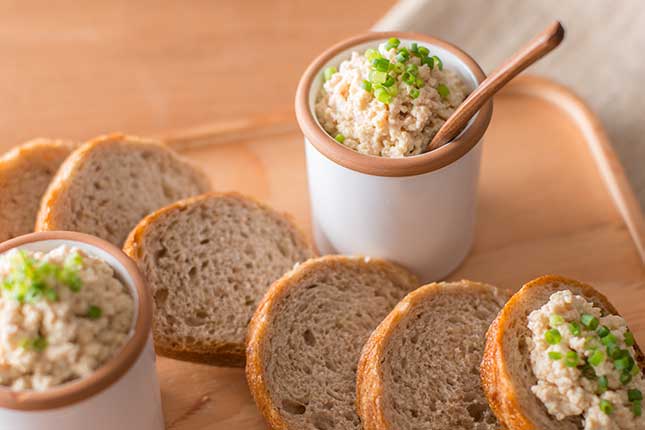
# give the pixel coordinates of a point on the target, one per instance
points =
(370, 386)
(498, 385)
(224, 354)
(258, 330)
(60, 183)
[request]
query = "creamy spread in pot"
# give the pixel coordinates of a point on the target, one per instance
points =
(388, 102)
(584, 364)
(63, 314)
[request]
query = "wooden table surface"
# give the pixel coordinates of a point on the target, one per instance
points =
(76, 70)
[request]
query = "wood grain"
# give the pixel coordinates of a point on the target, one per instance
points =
(537, 48)
(544, 207)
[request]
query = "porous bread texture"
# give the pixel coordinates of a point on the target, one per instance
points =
(507, 376)
(109, 184)
(306, 335)
(25, 173)
(209, 260)
(420, 367)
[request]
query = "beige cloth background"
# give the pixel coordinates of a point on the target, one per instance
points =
(602, 57)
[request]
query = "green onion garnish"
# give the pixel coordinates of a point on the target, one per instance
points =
(634, 395)
(589, 321)
(574, 328)
(371, 54)
(414, 93)
(329, 72)
(398, 68)
(381, 64)
(408, 78)
(556, 320)
(339, 138)
(382, 95)
(412, 69)
(606, 406)
(629, 338)
(414, 48)
(555, 355)
(429, 61)
(552, 337)
(637, 408)
(609, 339)
(588, 371)
(403, 55)
(389, 81)
(597, 358)
(571, 359)
(603, 331)
(392, 42)
(38, 344)
(624, 363)
(603, 384)
(94, 312)
(443, 91)
(625, 378)
(419, 83)
(377, 77)
(366, 85)
(614, 351)
(438, 61)
(423, 51)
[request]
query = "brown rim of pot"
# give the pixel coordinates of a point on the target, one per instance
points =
(384, 166)
(116, 366)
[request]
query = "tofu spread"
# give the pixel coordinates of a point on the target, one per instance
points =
(63, 314)
(389, 101)
(584, 364)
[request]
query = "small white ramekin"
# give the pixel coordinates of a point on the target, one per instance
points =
(418, 211)
(123, 393)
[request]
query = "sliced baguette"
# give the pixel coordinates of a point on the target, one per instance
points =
(306, 335)
(25, 173)
(420, 367)
(507, 376)
(110, 183)
(209, 260)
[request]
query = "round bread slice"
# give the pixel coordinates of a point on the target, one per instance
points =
(25, 173)
(306, 335)
(420, 367)
(109, 184)
(209, 260)
(507, 376)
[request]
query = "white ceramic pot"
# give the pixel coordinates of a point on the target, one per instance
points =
(418, 211)
(124, 393)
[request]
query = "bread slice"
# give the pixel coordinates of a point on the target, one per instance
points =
(507, 375)
(420, 367)
(110, 183)
(209, 260)
(25, 173)
(306, 335)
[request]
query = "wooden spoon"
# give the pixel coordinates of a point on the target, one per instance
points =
(537, 48)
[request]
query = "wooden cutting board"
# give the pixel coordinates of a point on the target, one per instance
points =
(553, 199)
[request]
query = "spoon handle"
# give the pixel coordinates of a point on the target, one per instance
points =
(537, 48)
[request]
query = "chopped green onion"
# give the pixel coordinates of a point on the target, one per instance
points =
(443, 91)
(381, 64)
(629, 338)
(625, 378)
(377, 77)
(412, 69)
(392, 42)
(51, 295)
(552, 337)
(428, 61)
(393, 90)
(389, 81)
(382, 95)
(414, 48)
(624, 363)
(634, 395)
(606, 406)
(328, 73)
(366, 85)
(95, 312)
(38, 344)
(574, 328)
(403, 55)
(398, 68)
(571, 359)
(591, 343)
(603, 331)
(637, 408)
(423, 51)
(556, 320)
(419, 82)
(597, 358)
(635, 370)
(414, 93)
(610, 339)
(614, 351)
(589, 321)
(603, 384)
(438, 61)
(555, 355)
(372, 54)
(588, 371)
